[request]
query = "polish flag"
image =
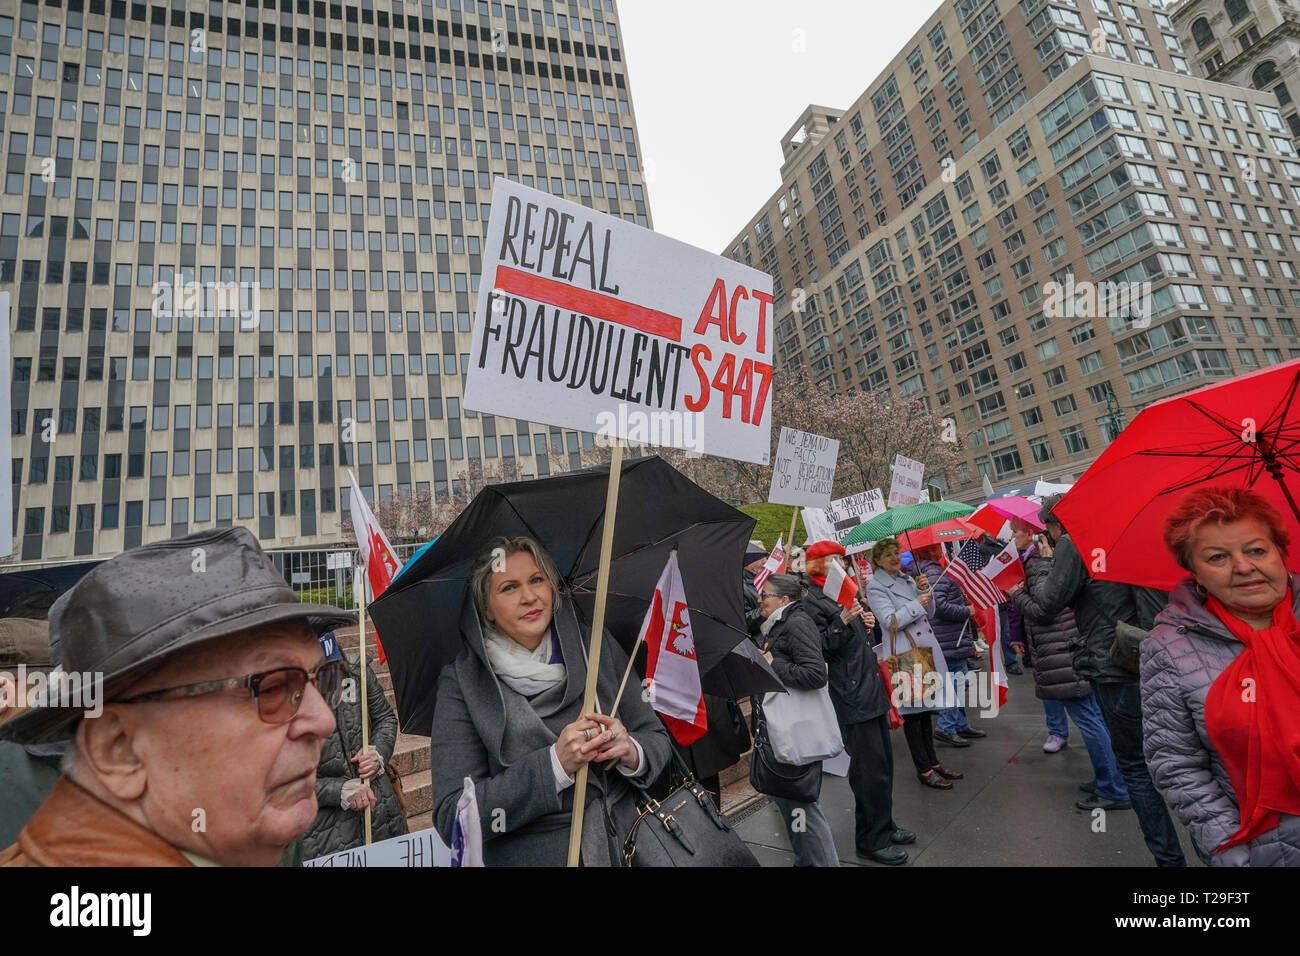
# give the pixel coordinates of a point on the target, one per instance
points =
(840, 586)
(775, 564)
(377, 554)
(672, 671)
(989, 620)
(1004, 568)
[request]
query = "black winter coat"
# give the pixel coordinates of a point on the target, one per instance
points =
(337, 829)
(1052, 642)
(857, 690)
(1097, 605)
(796, 648)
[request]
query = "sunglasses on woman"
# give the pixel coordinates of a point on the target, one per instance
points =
(278, 692)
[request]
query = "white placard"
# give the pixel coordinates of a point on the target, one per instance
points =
(803, 470)
(835, 521)
(587, 321)
(421, 848)
(905, 489)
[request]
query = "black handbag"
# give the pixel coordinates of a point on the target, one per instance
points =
(685, 828)
(799, 784)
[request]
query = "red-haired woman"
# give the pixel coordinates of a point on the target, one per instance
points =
(1220, 690)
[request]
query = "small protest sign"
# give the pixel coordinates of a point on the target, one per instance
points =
(421, 848)
(840, 517)
(803, 470)
(905, 489)
(590, 322)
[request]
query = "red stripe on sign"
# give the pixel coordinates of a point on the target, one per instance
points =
(594, 304)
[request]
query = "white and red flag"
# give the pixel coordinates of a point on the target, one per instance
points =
(840, 585)
(989, 620)
(1004, 568)
(775, 564)
(377, 554)
(967, 568)
(672, 671)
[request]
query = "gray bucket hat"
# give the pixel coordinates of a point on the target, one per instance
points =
(131, 613)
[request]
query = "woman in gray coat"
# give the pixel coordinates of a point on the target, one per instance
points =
(1220, 703)
(509, 717)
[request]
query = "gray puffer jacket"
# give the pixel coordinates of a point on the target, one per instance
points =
(1052, 641)
(1184, 654)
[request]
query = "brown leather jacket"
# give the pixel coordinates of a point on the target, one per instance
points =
(74, 828)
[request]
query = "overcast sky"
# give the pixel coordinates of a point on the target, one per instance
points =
(716, 83)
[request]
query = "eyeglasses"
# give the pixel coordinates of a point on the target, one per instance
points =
(278, 692)
(768, 594)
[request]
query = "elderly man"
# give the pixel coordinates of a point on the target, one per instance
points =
(215, 703)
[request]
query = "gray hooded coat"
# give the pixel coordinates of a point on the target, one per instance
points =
(1184, 654)
(524, 821)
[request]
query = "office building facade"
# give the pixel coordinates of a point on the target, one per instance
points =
(242, 243)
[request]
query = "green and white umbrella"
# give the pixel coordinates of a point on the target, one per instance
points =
(905, 518)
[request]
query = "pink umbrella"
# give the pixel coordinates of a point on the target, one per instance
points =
(1021, 508)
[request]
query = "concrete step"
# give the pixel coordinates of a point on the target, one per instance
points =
(417, 788)
(411, 754)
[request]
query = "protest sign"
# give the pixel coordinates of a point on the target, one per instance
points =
(840, 517)
(6, 442)
(586, 321)
(804, 469)
(905, 489)
(421, 848)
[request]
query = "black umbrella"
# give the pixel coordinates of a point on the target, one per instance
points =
(418, 618)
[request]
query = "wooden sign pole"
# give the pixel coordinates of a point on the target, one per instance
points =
(359, 586)
(597, 632)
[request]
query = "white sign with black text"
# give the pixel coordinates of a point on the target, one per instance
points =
(803, 470)
(590, 322)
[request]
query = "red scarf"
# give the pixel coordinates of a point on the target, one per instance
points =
(1252, 714)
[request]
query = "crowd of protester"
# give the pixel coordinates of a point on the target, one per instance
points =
(230, 729)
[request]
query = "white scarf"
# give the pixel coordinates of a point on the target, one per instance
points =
(770, 621)
(524, 671)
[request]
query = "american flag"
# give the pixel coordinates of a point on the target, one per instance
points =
(775, 563)
(967, 568)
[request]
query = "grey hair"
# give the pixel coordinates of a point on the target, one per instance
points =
(480, 574)
(785, 585)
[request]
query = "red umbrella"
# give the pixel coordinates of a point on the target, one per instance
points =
(954, 529)
(1244, 432)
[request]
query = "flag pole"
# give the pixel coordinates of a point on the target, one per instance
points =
(631, 657)
(597, 632)
(359, 595)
